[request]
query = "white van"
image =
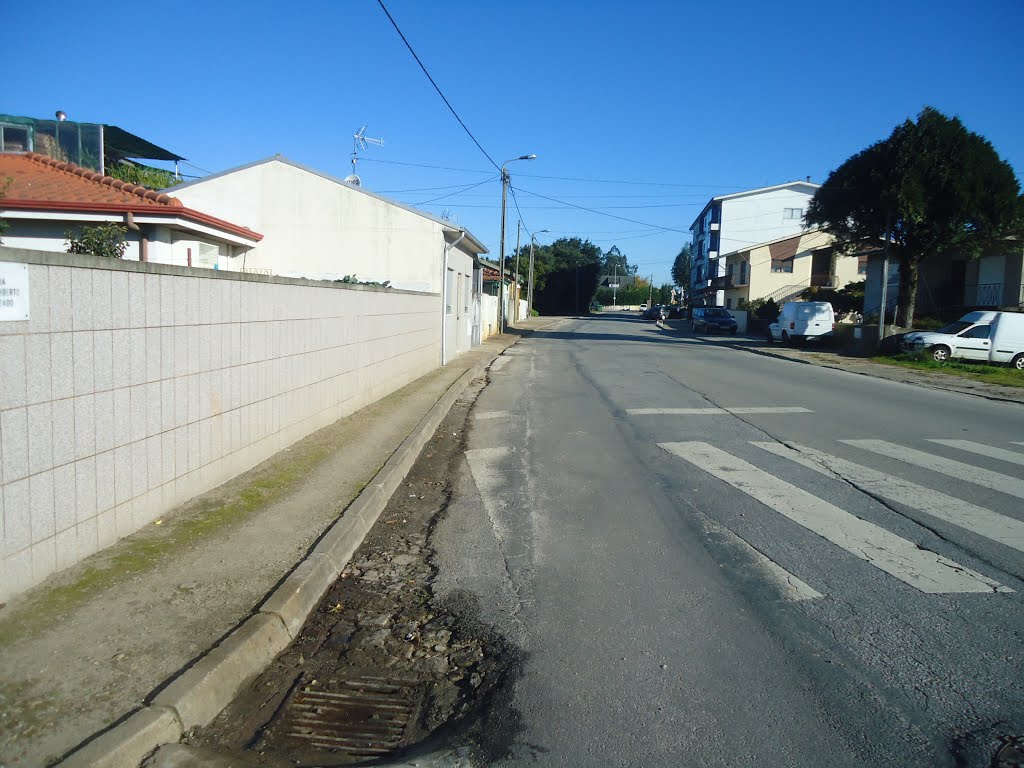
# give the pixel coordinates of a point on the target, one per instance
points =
(994, 337)
(803, 321)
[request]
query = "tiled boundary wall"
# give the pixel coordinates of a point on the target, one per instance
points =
(134, 387)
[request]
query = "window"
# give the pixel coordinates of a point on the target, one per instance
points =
(782, 264)
(977, 332)
(14, 138)
(449, 291)
(792, 213)
(862, 265)
(728, 303)
(743, 273)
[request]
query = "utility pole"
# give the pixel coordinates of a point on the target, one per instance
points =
(650, 293)
(885, 279)
(501, 259)
(515, 283)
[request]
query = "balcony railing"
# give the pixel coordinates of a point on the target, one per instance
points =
(824, 281)
(985, 294)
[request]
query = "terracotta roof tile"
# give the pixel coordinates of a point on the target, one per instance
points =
(38, 182)
(38, 178)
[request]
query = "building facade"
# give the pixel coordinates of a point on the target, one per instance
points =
(729, 223)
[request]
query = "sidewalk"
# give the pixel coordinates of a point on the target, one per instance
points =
(92, 645)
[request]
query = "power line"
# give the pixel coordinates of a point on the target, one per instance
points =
(422, 165)
(436, 88)
(637, 183)
(451, 194)
(602, 213)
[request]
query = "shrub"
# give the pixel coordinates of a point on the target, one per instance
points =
(106, 240)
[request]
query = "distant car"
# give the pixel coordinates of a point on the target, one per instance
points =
(713, 320)
(652, 311)
(643, 309)
(675, 311)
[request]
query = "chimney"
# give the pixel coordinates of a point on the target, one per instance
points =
(808, 178)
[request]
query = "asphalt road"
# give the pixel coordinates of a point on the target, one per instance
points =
(716, 558)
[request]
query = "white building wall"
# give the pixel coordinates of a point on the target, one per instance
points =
(134, 387)
(314, 226)
(759, 218)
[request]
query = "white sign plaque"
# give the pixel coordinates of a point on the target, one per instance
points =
(13, 292)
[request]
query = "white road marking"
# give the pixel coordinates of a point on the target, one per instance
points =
(792, 588)
(984, 522)
(492, 415)
(924, 570)
(712, 411)
(984, 477)
(992, 452)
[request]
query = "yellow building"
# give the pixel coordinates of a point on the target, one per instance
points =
(784, 268)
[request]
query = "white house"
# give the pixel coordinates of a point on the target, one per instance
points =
(320, 227)
(730, 223)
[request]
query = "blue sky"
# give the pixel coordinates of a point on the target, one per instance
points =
(683, 100)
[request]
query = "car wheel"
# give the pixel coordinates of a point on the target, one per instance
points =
(1018, 362)
(734, 331)
(941, 353)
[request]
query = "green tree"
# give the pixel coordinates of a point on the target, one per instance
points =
(107, 240)
(566, 275)
(615, 261)
(932, 187)
(681, 267)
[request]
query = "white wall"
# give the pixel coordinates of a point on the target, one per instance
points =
(318, 227)
(759, 218)
(134, 387)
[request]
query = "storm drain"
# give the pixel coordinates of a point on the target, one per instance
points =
(361, 717)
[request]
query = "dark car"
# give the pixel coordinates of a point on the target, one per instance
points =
(713, 320)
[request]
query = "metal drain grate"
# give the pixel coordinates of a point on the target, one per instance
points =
(362, 717)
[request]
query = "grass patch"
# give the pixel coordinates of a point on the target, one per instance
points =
(153, 545)
(993, 374)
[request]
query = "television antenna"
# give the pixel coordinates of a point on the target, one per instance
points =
(360, 141)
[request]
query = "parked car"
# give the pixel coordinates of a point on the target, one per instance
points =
(995, 337)
(643, 309)
(676, 311)
(802, 321)
(713, 320)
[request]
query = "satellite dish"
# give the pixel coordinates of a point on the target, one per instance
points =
(354, 180)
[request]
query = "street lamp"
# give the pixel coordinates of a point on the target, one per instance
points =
(529, 281)
(505, 179)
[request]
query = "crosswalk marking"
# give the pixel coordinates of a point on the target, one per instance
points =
(984, 477)
(984, 522)
(924, 570)
(984, 450)
(789, 585)
(714, 411)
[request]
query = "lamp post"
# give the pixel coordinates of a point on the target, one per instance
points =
(505, 179)
(514, 297)
(529, 281)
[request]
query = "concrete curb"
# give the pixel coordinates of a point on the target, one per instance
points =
(130, 742)
(198, 694)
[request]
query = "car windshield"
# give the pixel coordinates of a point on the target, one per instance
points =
(956, 327)
(717, 314)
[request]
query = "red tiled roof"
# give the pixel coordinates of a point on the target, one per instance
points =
(38, 182)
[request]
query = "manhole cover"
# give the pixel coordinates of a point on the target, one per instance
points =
(1011, 755)
(361, 717)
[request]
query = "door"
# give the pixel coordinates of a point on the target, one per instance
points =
(974, 344)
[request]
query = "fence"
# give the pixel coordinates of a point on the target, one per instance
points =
(134, 387)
